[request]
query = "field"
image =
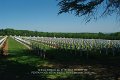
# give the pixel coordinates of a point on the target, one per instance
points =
(41, 58)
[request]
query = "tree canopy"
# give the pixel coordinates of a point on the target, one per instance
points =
(8, 31)
(90, 9)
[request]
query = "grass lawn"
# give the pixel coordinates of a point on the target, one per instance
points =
(20, 62)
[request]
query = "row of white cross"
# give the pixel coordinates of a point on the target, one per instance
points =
(76, 43)
(72, 43)
(2, 40)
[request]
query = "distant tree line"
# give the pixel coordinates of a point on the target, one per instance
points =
(112, 36)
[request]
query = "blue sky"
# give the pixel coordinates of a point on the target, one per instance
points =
(41, 15)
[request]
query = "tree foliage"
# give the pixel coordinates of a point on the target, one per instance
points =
(99, 35)
(90, 9)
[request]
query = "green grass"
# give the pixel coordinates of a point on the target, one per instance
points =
(20, 62)
(22, 54)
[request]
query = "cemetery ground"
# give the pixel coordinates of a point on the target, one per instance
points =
(18, 62)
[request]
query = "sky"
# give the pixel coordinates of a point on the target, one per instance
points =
(42, 15)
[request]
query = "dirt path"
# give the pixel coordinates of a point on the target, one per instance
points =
(5, 48)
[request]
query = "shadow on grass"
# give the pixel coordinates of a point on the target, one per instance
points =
(107, 67)
(77, 57)
(12, 70)
(19, 64)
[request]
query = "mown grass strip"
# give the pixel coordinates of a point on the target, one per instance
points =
(21, 53)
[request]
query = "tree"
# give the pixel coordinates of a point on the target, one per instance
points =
(90, 9)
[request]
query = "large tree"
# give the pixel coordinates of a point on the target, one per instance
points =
(90, 9)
